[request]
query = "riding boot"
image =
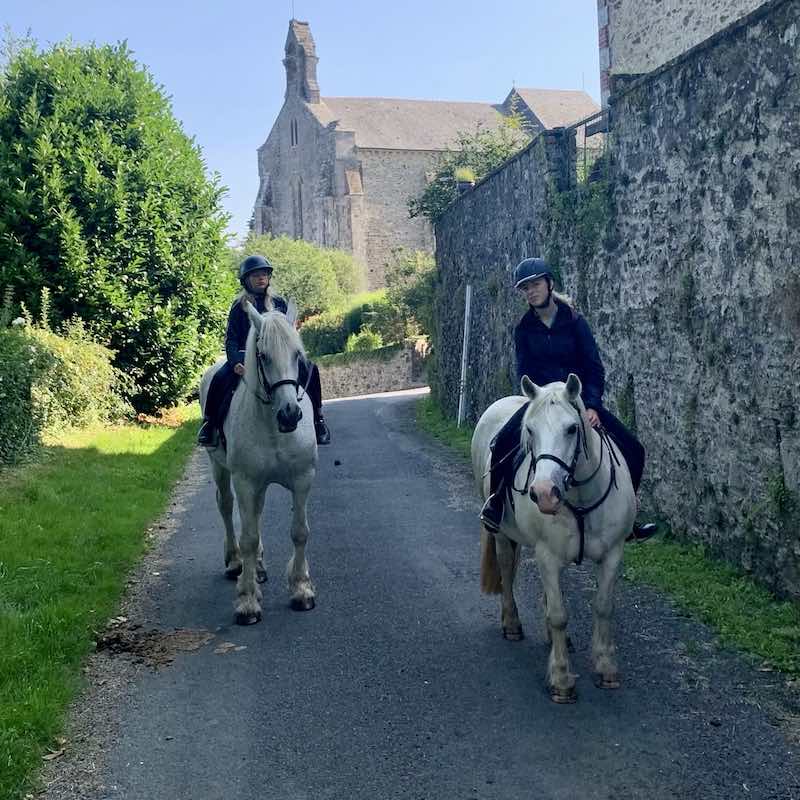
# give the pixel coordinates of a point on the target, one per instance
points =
(321, 429)
(642, 532)
(492, 511)
(208, 435)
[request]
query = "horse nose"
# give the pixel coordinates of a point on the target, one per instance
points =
(547, 496)
(288, 417)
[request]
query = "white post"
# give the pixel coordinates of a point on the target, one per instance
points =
(464, 354)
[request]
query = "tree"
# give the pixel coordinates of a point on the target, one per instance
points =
(318, 279)
(105, 201)
(479, 152)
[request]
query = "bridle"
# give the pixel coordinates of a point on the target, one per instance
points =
(268, 388)
(580, 512)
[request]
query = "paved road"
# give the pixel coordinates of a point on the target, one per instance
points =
(399, 685)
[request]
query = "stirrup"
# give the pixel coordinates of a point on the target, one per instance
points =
(207, 436)
(491, 516)
(321, 431)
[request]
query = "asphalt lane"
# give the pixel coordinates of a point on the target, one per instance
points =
(399, 685)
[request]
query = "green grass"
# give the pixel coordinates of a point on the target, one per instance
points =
(71, 528)
(743, 613)
(431, 419)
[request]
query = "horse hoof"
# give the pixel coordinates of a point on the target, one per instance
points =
(563, 698)
(248, 619)
(232, 573)
(302, 603)
(513, 634)
(261, 576)
(611, 681)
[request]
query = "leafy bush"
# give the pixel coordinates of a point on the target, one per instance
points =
(479, 153)
(324, 333)
(411, 287)
(49, 382)
(318, 279)
(115, 215)
(363, 341)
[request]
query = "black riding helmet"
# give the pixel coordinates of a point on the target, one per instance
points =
(253, 264)
(531, 268)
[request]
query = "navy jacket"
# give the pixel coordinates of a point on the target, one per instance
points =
(550, 354)
(239, 327)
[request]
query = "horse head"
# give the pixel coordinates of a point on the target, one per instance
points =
(274, 355)
(551, 432)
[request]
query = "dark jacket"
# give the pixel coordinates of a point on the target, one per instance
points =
(550, 354)
(239, 327)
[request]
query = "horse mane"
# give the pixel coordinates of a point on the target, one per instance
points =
(545, 394)
(279, 336)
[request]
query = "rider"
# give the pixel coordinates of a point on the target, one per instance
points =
(255, 273)
(552, 340)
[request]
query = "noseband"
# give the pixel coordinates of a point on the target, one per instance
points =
(269, 388)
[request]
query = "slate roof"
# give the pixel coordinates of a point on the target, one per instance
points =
(558, 107)
(390, 123)
(397, 124)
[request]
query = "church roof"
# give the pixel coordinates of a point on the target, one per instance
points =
(389, 123)
(558, 107)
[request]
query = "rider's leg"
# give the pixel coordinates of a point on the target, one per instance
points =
(222, 384)
(504, 443)
(310, 372)
(634, 455)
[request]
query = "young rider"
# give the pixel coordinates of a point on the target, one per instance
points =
(552, 340)
(255, 274)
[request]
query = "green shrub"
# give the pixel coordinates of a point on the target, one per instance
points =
(318, 279)
(411, 288)
(49, 382)
(363, 341)
(116, 214)
(324, 333)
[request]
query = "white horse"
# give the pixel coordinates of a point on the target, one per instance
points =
(269, 435)
(572, 497)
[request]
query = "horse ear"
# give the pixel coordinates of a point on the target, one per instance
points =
(529, 388)
(291, 312)
(254, 316)
(573, 387)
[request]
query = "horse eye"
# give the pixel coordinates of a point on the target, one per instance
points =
(573, 429)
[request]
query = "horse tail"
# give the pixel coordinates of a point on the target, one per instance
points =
(491, 582)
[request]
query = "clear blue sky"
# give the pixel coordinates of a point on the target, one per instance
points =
(221, 62)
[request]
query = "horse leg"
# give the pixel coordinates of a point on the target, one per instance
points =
(233, 559)
(301, 588)
(560, 679)
(508, 553)
(261, 570)
(604, 652)
(251, 503)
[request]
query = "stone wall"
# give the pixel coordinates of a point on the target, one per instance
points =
(693, 289)
(389, 369)
(391, 177)
(644, 34)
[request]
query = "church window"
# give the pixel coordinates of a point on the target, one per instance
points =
(293, 132)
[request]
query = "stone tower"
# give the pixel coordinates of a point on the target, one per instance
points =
(301, 63)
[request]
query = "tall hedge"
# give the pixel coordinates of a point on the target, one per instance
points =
(318, 279)
(106, 201)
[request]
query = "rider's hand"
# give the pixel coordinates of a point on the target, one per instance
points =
(238, 369)
(592, 418)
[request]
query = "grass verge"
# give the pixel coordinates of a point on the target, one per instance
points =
(744, 614)
(71, 528)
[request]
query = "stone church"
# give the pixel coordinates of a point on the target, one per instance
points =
(339, 171)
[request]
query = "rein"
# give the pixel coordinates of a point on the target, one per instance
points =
(579, 512)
